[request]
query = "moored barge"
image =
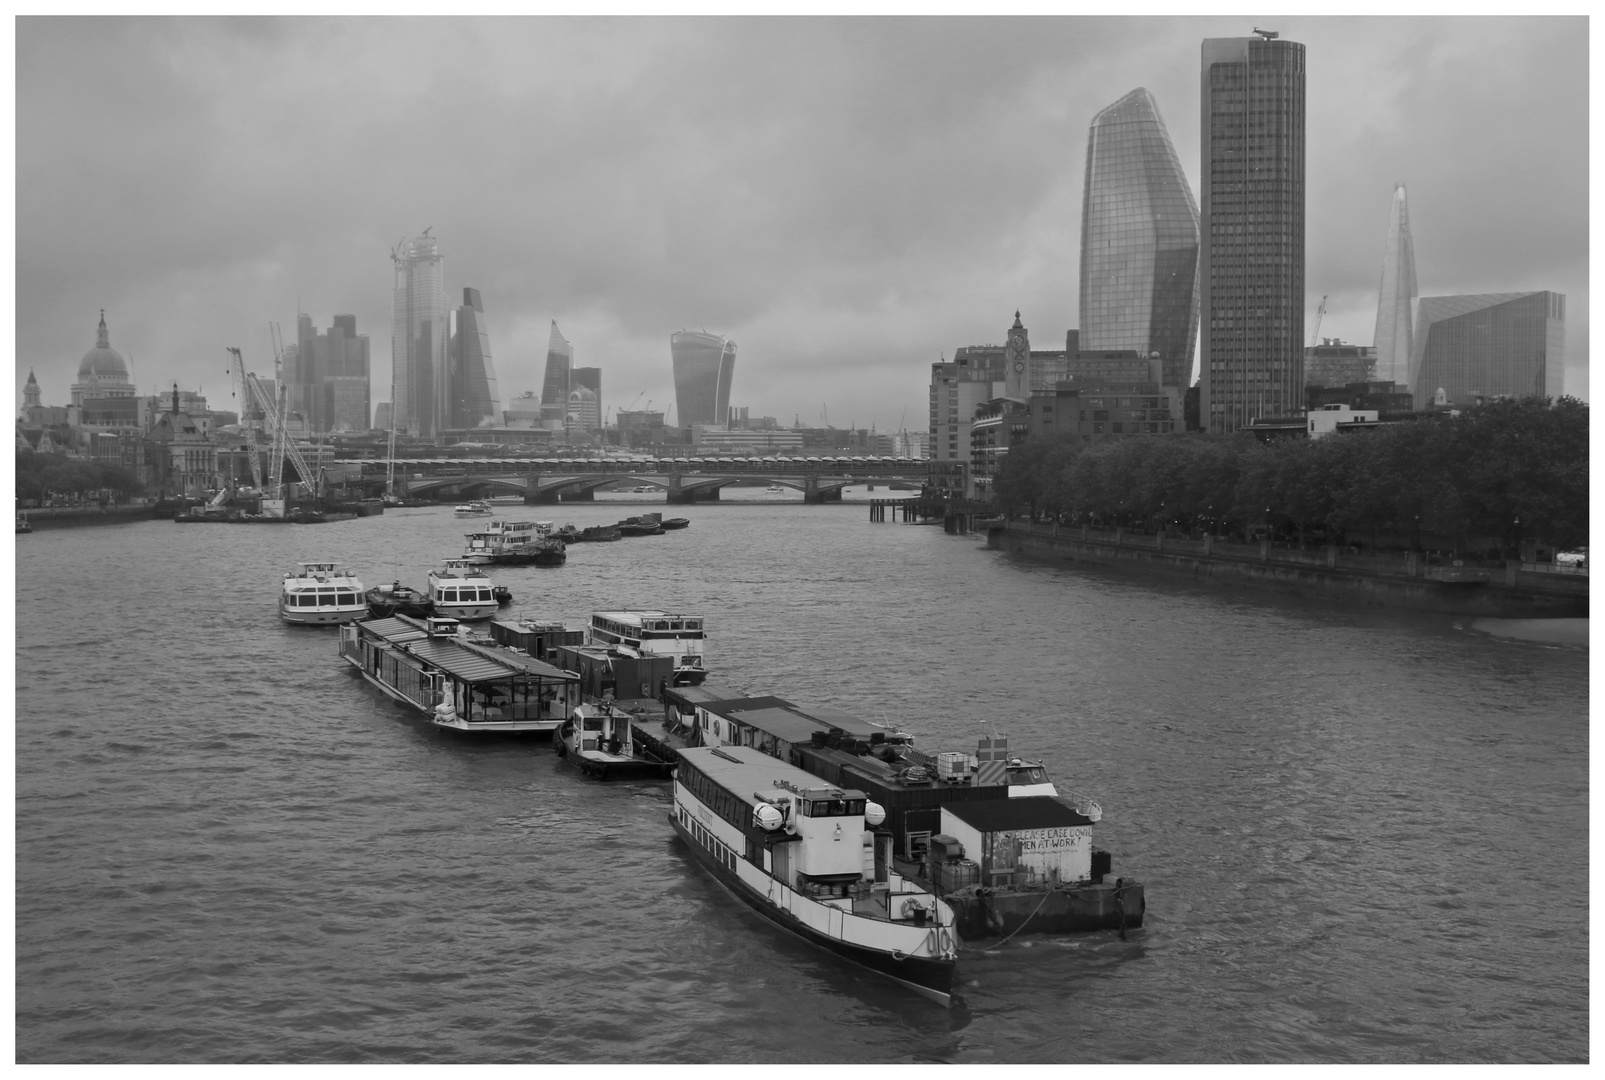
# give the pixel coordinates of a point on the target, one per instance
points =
(806, 856)
(459, 684)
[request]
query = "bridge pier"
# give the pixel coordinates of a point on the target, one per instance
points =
(587, 495)
(678, 496)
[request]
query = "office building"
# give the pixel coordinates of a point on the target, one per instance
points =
(1251, 249)
(1335, 362)
(419, 337)
(588, 378)
(554, 389)
(1139, 241)
(474, 398)
(328, 377)
(1495, 345)
(704, 365)
(1395, 297)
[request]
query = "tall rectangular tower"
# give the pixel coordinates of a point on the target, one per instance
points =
(420, 328)
(1251, 244)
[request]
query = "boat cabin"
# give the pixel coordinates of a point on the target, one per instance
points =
(658, 633)
(538, 639)
(610, 674)
(1028, 841)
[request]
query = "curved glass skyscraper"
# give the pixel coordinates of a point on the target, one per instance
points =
(703, 367)
(1139, 240)
(474, 397)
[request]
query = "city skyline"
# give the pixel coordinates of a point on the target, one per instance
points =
(171, 193)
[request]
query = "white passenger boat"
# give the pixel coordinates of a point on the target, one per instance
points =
(499, 537)
(655, 633)
(459, 684)
(460, 590)
(477, 508)
(809, 857)
(315, 593)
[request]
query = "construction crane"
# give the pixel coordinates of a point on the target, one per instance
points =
(1315, 338)
(242, 395)
(277, 415)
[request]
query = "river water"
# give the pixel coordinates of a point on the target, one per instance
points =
(1364, 834)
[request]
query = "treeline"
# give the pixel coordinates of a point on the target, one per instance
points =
(43, 476)
(1498, 474)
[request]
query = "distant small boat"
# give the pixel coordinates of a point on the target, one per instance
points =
(676, 523)
(478, 508)
(774, 489)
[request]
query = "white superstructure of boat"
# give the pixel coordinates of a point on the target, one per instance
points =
(477, 508)
(317, 593)
(655, 633)
(499, 537)
(460, 590)
(811, 858)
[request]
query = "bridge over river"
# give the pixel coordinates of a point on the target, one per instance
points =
(685, 479)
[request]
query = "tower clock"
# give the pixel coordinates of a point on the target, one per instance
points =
(1017, 362)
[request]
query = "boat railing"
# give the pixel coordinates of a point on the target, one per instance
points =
(1084, 805)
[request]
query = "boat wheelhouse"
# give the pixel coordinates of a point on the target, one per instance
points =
(600, 741)
(320, 593)
(655, 633)
(808, 856)
(460, 590)
(427, 664)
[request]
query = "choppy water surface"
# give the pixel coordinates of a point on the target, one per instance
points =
(1363, 834)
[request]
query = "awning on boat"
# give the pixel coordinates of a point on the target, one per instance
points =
(471, 666)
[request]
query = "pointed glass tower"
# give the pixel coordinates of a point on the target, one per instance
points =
(1397, 296)
(554, 392)
(1139, 240)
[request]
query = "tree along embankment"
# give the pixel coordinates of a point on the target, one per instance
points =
(1402, 579)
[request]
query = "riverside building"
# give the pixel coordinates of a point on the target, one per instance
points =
(1474, 348)
(1139, 241)
(1251, 250)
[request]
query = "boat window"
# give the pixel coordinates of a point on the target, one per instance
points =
(347, 596)
(693, 624)
(484, 594)
(326, 597)
(593, 723)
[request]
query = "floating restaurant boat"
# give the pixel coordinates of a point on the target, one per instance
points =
(808, 857)
(397, 599)
(460, 590)
(476, 508)
(429, 665)
(599, 740)
(655, 633)
(319, 593)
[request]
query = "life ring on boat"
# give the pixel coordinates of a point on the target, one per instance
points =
(910, 906)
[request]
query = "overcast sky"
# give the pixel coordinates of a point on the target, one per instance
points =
(847, 199)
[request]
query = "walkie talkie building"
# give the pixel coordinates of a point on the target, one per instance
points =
(703, 367)
(1139, 240)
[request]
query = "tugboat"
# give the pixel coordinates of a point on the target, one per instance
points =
(809, 857)
(398, 599)
(599, 740)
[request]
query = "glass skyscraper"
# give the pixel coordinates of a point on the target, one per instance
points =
(1139, 241)
(1396, 296)
(704, 364)
(554, 391)
(474, 396)
(1251, 251)
(1496, 344)
(420, 326)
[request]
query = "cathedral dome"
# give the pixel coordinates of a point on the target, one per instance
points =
(103, 364)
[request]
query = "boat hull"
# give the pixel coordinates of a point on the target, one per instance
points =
(980, 913)
(316, 617)
(927, 977)
(604, 766)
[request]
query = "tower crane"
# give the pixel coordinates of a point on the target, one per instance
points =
(283, 446)
(1315, 338)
